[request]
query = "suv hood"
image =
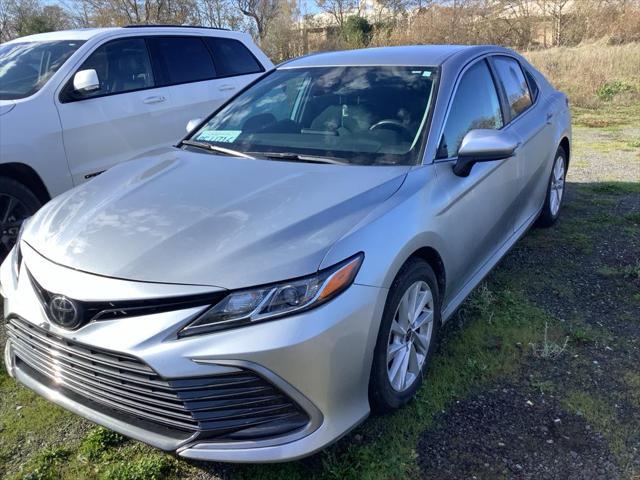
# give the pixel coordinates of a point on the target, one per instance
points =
(176, 216)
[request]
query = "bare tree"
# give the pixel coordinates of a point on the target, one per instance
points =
(339, 10)
(263, 12)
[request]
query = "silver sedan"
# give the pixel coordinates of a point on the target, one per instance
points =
(253, 293)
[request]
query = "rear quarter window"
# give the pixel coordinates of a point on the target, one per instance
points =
(232, 57)
(514, 83)
(181, 60)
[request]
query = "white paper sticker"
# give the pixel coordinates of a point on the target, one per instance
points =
(221, 136)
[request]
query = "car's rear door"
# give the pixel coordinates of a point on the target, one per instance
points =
(119, 120)
(201, 73)
(477, 210)
(531, 120)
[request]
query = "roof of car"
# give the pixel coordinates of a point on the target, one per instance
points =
(87, 33)
(409, 55)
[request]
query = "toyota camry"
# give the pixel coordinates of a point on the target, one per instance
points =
(253, 293)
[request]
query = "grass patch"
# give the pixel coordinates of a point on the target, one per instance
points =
(624, 271)
(155, 467)
(606, 115)
(612, 188)
(632, 379)
(98, 442)
(26, 418)
(602, 415)
(44, 466)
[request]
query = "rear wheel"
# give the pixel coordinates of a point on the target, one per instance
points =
(17, 203)
(407, 337)
(555, 191)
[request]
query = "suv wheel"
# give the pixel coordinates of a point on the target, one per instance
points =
(17, 203)
(555, 190)
(407, 337)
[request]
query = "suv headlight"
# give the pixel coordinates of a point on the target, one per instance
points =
(245, 307)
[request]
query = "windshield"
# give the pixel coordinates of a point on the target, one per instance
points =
(25, 67)
(359, 115)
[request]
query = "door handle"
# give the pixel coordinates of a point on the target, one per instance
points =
(226, 88)
(549, 117)
(154, 99)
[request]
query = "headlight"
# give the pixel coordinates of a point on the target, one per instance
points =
(16, 254)
(272, 301)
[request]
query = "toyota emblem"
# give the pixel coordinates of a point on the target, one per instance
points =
(64, 312)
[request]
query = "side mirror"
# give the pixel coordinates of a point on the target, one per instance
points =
(192, 124)
(86, 81)
(484, 145)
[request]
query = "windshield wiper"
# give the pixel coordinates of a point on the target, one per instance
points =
(215, 148)
(299, 157)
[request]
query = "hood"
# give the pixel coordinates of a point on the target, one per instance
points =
(183, 217)
(6, 106)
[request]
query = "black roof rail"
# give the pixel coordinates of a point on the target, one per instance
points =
(173, 26)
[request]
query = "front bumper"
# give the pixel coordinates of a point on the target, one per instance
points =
(320, 360)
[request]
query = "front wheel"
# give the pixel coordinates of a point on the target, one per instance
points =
(407, 336)
(555, 191)
(17, 203)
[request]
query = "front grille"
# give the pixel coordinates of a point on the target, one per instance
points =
(239, 405)
(109, 310)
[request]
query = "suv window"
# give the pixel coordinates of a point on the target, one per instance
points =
(232, 57)
(514, 83)
(122, 66)
(475, 105)
(181, 59)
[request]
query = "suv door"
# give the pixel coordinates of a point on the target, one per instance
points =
(121, 118)
(528, 120)
(478, 209)
(198, 76)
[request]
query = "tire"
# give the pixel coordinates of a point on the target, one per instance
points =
(384, 394)
(17, 203)
(553, 200)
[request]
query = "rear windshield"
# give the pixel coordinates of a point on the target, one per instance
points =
(26, 67)
(359, 115)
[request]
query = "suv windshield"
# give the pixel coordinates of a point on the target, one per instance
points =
(359, 115)
(25, 67)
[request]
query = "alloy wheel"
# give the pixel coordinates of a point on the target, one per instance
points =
(557, 185)
(410, 336)
(12, 213)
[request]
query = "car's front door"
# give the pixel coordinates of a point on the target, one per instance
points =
(477, 210)
(120, 119)
(530, 120)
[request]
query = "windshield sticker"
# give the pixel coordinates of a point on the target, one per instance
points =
(221, 136)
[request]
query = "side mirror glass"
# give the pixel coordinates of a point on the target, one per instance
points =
(86, 81)
(192, 124)
(484, 145)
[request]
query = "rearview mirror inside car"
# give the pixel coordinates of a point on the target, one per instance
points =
(484, 145)
(86, 81)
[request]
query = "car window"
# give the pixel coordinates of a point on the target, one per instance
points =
(373, 115)
(181, 59)
(122, 66)
(232, 57)
(475, 105)
(25, 67)
(533, 86)
(515, 85)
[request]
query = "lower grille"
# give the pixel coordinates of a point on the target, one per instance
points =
(240, 405)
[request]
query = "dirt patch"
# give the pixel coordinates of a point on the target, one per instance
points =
(510, 432)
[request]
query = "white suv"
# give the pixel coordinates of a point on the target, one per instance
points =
(74, 103)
